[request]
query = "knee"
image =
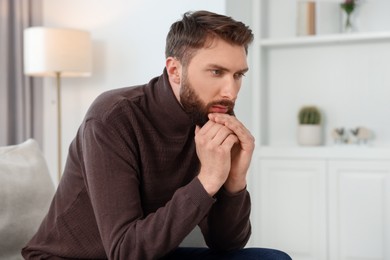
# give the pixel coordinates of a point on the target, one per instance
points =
(268, 254)
(280, 255)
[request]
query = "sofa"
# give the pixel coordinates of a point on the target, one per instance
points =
(26, 190)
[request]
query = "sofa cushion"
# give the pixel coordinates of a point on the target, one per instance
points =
(26, 190)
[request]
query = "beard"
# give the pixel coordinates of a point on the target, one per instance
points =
(196, 109)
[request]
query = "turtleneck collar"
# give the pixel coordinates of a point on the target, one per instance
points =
(174, 120)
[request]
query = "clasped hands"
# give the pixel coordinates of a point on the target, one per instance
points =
(224, 147)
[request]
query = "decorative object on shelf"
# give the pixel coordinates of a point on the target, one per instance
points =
(360, 135)
(309, 129)
(348, 6)
(306, 18)
(339, 135)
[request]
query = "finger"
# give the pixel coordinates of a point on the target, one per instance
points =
(197, 129)
(214, 134)
(210, 130)
(219, 117)
(222, 118)
(229, 141)
(245, 137)
(206, 126)
(231, 122)
(221, 135)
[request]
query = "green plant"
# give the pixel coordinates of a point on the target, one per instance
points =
(348, 6)
(309, 115)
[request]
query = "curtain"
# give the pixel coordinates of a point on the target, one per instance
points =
(21, 111)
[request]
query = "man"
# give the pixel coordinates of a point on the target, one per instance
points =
(150, 163)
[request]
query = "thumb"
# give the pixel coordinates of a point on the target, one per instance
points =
(197, 129)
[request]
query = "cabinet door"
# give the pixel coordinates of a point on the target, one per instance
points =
(291, 215)
(359, 209)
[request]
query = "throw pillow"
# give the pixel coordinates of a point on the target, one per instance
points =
(26, 191)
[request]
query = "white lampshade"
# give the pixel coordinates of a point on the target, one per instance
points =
(48, 51)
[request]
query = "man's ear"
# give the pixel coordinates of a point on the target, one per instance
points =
(174, 70)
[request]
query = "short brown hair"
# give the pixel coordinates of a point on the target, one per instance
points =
(196, 29)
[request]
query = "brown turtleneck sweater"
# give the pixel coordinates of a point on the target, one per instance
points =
(130, 188)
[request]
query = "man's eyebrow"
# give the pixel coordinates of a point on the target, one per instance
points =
(244, 70)
(215, 66)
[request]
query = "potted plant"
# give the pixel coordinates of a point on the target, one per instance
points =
(309, 129)
(348, 6)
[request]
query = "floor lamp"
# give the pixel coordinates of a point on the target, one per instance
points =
(57, 52)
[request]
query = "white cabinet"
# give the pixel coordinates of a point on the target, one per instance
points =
(322, 203)
(359, 210)
(293, 208)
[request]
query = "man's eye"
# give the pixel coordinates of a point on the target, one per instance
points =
(216, 72)
(239, 75)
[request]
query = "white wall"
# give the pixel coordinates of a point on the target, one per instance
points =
(128, 39)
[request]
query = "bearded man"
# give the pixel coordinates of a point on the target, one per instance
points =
(150, 163)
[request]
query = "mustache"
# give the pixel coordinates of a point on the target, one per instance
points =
(223, 102)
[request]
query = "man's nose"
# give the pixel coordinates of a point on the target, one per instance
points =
(230, 88)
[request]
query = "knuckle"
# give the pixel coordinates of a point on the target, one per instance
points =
(200, 140)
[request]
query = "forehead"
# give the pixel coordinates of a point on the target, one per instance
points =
(221, 53)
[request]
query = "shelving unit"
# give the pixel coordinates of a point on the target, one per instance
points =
(312, 201)
(322, 70)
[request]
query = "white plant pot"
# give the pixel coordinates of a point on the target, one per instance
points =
(310, 135)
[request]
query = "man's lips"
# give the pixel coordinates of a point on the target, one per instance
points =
(219, 109)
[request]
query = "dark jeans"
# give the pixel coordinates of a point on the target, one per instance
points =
(193, 253)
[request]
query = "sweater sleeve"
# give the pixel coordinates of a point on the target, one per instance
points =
(227, 226)
(112, 178)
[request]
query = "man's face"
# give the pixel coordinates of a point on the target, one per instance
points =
(212, 79)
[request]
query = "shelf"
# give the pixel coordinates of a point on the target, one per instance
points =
(353, 152)
(325, 39)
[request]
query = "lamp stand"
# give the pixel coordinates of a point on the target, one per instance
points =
(59, 153)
